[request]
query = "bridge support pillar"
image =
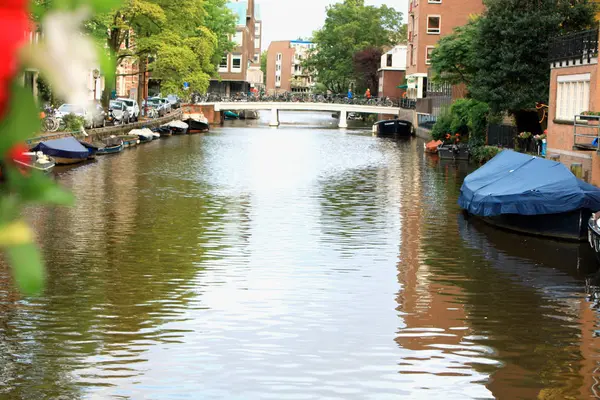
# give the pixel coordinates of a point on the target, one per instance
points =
(343, 119)
(274, 117)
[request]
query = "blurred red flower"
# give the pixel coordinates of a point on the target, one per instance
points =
(16, 153)
(14, 27)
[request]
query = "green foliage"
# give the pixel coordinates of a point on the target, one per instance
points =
(511, 44)
(482, 154)
(73, 123)
(350, 27)
(453, 60)
(442, 125)
(467, 117)
(263, 64)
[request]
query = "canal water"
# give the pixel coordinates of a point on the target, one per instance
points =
(295, 263)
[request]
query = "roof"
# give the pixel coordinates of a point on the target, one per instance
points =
(240, 10)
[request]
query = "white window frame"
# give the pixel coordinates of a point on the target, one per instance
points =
(226, 68)
(572, 95)
(432, 31)
(234, 57)
(238, 35)
(427, 59)
(434, 1)
(279, 56)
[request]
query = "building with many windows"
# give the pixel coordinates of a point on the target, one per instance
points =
(285, 72)
(428, 21)
(238, 69)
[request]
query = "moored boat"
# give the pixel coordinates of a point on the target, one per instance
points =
(37, 161)
(92, 149)
(432, 146)
(458, 152)
(530, 195)
(177, 127)
(163, 131)
(112, 145)
(145, 135)
(394, 128)
(248, 114)
(64, 151)
(129, 140)
(231, 115)
(594, 234)
(197, 123)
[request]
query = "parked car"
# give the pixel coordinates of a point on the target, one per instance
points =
(174, 100)
(165, 103)
(118, 113)
(157, 105)
(93, 115)
(132, 107)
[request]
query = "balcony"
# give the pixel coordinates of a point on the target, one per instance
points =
(581, 46)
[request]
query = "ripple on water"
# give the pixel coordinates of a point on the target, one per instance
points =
(289, 264)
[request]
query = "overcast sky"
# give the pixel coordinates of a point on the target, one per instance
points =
(290, 19)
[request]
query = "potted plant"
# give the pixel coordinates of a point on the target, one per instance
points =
(590, 116)
(522, 141)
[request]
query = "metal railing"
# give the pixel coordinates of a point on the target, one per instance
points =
(303, 98)
(586, 132)
(575, 46)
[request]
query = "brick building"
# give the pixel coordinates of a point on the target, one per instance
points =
(238, 69)
(284, 66)
(428, 21)
(392, 72)
(574, 88)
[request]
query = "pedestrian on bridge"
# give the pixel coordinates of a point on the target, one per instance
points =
(350, 95)
(368, 94)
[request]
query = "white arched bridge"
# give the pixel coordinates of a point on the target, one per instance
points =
(343, 109)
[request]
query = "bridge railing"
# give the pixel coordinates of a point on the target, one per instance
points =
(301, 98)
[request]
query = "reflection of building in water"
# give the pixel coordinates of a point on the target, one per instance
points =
(434, 316)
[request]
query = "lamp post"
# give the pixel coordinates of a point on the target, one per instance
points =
(96, 75)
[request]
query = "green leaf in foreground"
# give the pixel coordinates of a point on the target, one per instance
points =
(21, 120)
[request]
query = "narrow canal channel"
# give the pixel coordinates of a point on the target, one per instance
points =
(295, 263)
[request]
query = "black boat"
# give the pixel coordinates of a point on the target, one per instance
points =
(248, 114)
(530, 195)
(177, 127)
(197, 125)
(454, 152)
(594, 235)
(394, 128)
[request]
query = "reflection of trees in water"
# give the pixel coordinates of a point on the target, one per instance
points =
(532, 329)
(351, 203)
(122, 264)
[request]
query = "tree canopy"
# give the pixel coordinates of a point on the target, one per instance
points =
(349, 28)
(502, 56)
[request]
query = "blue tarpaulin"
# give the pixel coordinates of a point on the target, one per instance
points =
(516, 183)
(67, 147)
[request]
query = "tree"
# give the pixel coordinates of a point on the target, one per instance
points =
(349, 28)
(221, 22)
(366, 65)
(453, 59)
(263, 64)
(511, 45)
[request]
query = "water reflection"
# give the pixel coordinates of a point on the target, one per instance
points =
(297, 262)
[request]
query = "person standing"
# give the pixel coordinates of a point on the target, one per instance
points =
(350, 94)
(368, 94)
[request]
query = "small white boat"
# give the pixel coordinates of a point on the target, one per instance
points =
(38, 161)
(145, 134)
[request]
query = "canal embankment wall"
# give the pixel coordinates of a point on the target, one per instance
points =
(101, 133)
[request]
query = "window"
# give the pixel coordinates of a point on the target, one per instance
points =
(223, 67)
(429, 49)
(257, 28)
(434, 23)
(388, 61)
(278, 56)
(257, 43)
(572, 95)
(434, 1)
(412, 55)
(238, 38)
(236, 63)
(256, 58)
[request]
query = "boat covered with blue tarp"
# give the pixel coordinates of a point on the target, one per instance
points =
(65, 151)
(531, 195)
